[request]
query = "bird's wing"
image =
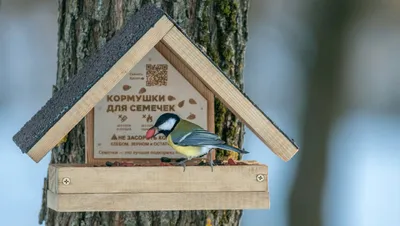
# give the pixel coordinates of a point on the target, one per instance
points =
(197, 137)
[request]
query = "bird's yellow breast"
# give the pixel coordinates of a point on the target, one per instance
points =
(188, 151)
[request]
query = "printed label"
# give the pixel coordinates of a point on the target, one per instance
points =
(123, 116)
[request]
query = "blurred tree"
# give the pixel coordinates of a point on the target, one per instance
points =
(329, 20)
(84, 26)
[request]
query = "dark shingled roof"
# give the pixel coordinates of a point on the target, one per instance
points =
(94, 68)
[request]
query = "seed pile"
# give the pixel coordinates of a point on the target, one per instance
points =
(165, 161)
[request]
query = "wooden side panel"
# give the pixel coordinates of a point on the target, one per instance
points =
(100, 89)
(230, 95)
(149, 179)
(52, 178)
(158, 201)
(52, 200)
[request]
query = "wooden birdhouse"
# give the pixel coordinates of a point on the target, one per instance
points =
(148, 68)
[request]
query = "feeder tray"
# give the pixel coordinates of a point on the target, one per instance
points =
(77, 188)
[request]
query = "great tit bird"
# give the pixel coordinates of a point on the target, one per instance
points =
(188, 138)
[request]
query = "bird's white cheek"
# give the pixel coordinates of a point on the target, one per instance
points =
(167, 125)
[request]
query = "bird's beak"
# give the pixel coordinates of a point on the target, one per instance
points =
(153, 131)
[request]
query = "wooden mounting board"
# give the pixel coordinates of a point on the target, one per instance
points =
(157, 201)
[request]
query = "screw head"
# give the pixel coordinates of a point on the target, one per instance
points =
(66, 181)
(260, 178)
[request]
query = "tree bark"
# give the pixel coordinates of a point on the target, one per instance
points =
(85, 25)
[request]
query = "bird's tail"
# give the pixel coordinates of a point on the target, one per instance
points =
(230, 148)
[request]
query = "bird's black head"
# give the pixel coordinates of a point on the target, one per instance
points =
(165, 124)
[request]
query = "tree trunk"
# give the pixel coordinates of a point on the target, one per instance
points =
(329, 21)
(85, 25)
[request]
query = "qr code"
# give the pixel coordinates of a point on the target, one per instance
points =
(156, 74)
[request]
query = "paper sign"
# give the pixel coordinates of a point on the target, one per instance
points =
(151, 88)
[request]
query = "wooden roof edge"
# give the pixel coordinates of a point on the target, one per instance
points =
(291, 148)
(94, 68)
(24, 132)
(232, 82)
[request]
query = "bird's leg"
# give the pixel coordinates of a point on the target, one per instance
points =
(211, 161)
(183, 163)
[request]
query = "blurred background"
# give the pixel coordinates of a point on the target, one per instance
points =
(327, 72)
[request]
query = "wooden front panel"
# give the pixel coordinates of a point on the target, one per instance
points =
(224, 178)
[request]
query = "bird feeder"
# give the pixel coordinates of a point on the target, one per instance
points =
(148, 68)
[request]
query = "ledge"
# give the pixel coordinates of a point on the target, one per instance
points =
(143, 188)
